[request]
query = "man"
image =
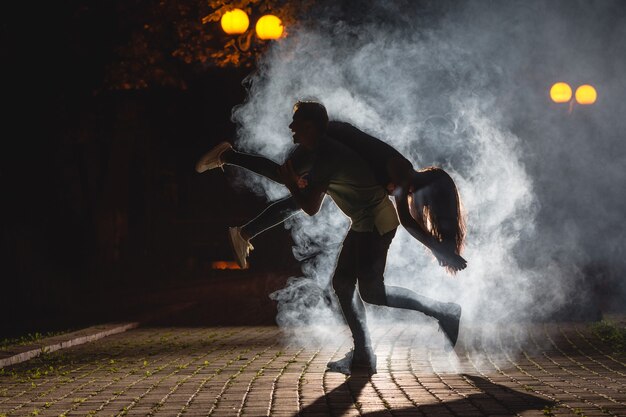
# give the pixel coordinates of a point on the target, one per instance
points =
(341, 173)
(390, 168)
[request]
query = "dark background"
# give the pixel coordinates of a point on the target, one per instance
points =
(102, 212)
(101, 203)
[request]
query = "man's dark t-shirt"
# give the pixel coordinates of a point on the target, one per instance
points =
(375, 152)
(350, 182)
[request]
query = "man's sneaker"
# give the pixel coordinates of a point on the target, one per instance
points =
(449, 324)
(212, 159)
(342, 365)
(241, 247)
(361, 362)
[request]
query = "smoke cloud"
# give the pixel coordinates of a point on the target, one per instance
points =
(463, 86)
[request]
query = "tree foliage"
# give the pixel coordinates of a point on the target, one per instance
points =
(171, 40)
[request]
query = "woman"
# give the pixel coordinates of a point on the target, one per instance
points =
(427, 201)
(429, 208)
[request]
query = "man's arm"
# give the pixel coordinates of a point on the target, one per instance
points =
(310, 198)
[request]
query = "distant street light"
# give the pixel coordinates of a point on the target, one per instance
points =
(586, 94)
(561, 92)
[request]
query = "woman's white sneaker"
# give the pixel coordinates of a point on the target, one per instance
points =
(241, 247)
(213, 158)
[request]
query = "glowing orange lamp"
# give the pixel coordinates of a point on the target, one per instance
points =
(269, 27)
(586, 94)
(235, 22)
(561, 92)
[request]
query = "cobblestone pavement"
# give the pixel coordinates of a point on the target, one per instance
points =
(549, 369)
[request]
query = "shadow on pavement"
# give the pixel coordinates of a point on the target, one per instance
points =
(494, 400)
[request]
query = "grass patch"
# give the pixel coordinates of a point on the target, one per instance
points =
(611, 333)
(27, 339)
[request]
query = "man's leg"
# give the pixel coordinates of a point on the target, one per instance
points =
(344, 284)
(372, 260)
(447, 314)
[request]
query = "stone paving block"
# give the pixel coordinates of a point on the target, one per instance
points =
(249, 371)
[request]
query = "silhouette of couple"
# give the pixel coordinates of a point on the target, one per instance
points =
(359, 172)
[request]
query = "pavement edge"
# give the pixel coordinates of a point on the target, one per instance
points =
(19, 354)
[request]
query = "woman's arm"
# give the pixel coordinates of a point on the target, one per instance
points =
(407, 221)
(444, 255)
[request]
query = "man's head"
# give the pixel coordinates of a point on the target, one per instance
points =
(400, 172)
(309, 123)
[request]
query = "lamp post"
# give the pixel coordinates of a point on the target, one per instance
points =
(561, 92)
(236, 22)
(248, 28)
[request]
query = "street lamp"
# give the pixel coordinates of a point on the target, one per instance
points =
(269, 27)
(586, 94)
(236, 22)
(562, 93)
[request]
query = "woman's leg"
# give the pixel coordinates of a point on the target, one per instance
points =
(274, 214)
(257, 164)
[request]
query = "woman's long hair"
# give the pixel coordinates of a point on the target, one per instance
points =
(437, 207)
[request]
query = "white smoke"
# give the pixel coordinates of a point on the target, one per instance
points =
(443, 92)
